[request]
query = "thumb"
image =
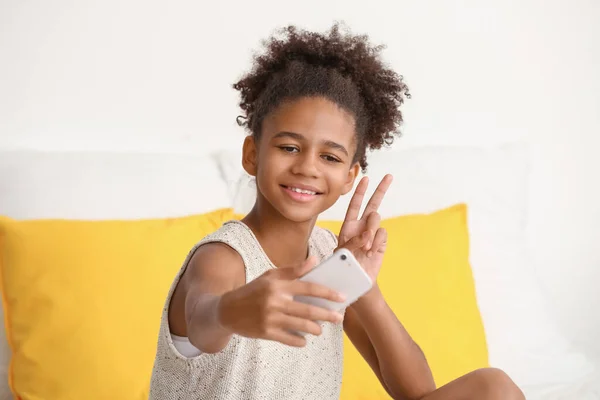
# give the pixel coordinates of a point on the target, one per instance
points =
(303, 268)
(357, 241)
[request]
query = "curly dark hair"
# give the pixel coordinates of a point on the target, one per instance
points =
(339, 66)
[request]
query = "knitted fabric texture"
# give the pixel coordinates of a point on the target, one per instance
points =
(251, 368)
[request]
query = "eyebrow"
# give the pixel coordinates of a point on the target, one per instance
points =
(297, 136)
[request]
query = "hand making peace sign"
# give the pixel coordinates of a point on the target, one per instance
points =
(364, 236)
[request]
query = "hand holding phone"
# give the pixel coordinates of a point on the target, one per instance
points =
(265, 307)
(342, 273)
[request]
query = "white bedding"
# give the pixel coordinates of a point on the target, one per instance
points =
(585, 389)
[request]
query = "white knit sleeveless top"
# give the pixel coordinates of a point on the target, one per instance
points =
(251, 368)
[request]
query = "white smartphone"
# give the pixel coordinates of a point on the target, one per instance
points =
(341, 272)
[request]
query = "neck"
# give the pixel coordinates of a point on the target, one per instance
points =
(285, 242)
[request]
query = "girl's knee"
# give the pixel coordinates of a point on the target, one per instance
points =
(495, 384)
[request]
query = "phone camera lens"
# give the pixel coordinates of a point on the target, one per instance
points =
(343, 257)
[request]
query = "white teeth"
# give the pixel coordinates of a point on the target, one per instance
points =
(293, 189)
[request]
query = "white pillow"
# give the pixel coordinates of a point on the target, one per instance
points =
(107, 185)
(104, 186)
(522, 336)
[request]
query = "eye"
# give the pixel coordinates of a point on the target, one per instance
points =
(331, 158)
(289, 149)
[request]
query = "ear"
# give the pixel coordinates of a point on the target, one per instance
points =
(250, 155)
(352, 174)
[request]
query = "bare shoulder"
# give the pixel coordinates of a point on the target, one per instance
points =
(215, 268)
(214, 261)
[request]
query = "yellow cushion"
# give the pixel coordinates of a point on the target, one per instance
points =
(90, 332)
(82, 301)
(426, 279)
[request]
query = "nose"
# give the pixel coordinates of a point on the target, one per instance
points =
(306, 165)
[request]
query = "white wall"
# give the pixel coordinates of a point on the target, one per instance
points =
(147, 75)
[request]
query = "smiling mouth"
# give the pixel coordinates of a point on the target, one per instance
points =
(301, 191)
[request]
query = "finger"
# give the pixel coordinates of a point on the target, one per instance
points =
(312, 313)
(357, 199)
(297, 324)
(379, 243)
(358, 241)
(373, 222)
(378, 195)
(311, 289)
(287, 338)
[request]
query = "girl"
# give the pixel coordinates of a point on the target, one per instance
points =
(314, 103)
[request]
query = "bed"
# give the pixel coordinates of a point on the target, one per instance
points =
(521, 332)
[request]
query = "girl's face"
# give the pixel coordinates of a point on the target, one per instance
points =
(303, 160)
